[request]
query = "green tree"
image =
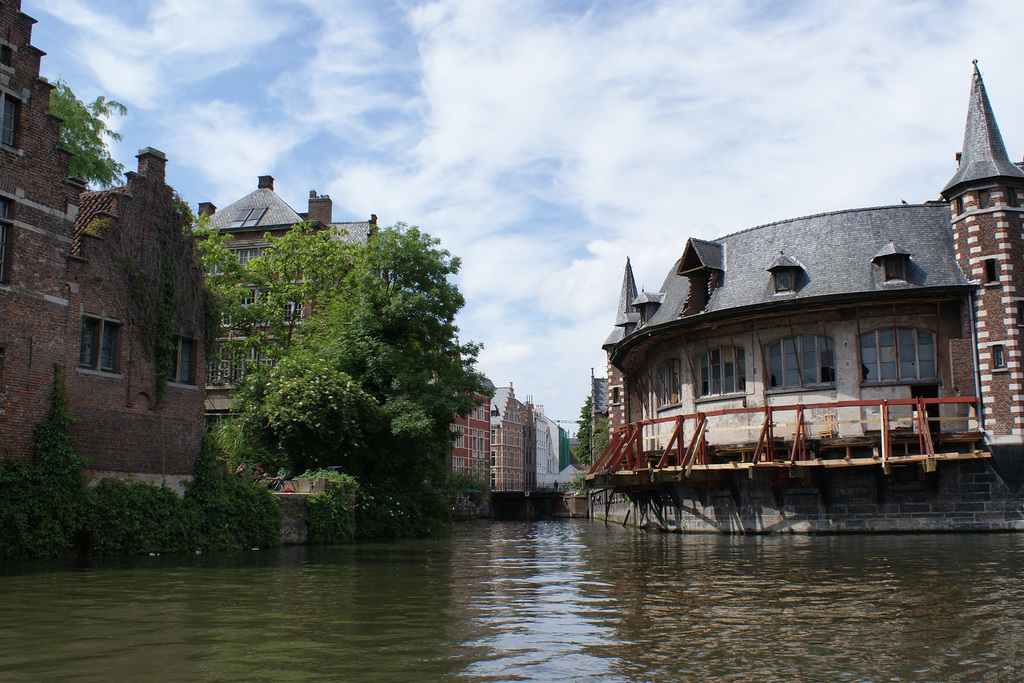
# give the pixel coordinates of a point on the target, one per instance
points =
(592, 435)
(85, 133)
(371, 378)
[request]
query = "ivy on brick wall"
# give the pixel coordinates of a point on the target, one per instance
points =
(46, 509)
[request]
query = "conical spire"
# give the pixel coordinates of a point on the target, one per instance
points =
(627, 313)
(984, 155)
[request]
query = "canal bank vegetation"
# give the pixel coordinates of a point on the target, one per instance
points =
(47, 510)
(366, 382)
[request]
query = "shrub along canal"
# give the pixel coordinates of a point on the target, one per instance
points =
(547, 601)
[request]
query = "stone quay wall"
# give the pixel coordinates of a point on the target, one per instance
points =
(959, 496)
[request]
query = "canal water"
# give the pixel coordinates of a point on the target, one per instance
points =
(546, 601)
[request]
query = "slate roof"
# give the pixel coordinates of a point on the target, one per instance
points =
(278, 212)
(984, 155)
(835, 252)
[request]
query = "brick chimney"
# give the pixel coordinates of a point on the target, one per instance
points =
(266, 182)
(207, 209)
(320, 208)
(152, 163)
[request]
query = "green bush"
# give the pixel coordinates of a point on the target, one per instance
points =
(46, 510)
(134, 518)
(331, 516)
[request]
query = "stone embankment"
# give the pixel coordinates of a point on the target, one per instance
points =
(967, 496)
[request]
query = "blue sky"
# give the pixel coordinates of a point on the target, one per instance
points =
(543, 142)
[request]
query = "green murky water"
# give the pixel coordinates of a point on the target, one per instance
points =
(549, 601)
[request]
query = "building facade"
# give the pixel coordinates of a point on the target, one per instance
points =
(507, 459)
(250, 221)
(101, 287)
(883, 338)
(471, 451)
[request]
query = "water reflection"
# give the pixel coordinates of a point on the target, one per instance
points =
(556, 601)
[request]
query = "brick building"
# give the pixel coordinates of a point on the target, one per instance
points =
(77, 276)
(507, 463)
(471, 452)
(249, 221)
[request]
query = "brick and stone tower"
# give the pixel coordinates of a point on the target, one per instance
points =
(985, 197)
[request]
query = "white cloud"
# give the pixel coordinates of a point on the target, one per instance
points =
(544, 142)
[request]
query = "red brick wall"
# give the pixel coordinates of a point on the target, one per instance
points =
(981, 234)
(33, 299)
(49, 289)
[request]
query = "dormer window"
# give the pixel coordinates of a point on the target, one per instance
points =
(894, 267)
(894, 262)
(783, 280)
(647, 303)
(785, 274)
(702, 265)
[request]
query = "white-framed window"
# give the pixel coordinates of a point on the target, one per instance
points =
(667, 382)
(721, 371)
(9, 119)
(98, 349)
(247, 254)
(182, 370)
(801, 361)
(897, 354)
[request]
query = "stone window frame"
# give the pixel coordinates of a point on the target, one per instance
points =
(998, 355)
(990, 270)
(792, 356)
(731, 364)
(9, 109)
(6, 238)
(98, 349)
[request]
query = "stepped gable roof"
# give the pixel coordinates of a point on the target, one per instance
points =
(835, 251)
(277, 214)
(984, 155)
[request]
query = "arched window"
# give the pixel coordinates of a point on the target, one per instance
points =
(801, 361)
(897, 354)
(721, 371)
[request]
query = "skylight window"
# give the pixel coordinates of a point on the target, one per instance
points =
(248, 217)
